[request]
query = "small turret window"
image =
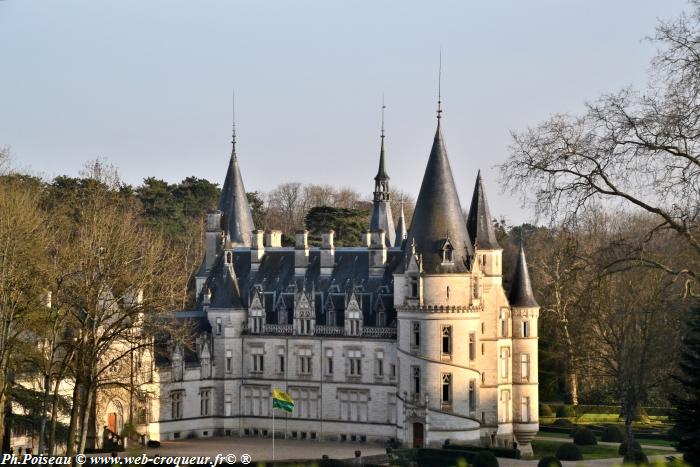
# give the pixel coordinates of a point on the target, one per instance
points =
(526, 329)
(447, 252)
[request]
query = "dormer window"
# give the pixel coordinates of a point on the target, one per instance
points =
(447, 252)
(413, 286)
(229, 258)
(219, 326)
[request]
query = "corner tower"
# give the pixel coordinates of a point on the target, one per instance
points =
(488, 253)
(382, 218)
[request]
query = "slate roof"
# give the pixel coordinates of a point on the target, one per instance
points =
(233, 204)
(521, 291)
(438, 214)
(479, 221)
(400, 230)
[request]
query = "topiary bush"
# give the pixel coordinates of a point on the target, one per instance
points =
(569, 452)
(563, 423)
(583, 436)
(635, 456)
(549, 461)
(152, 443)
(546, 411)
(622, 450)
(485, 459)
(566, 411)
(612, 434)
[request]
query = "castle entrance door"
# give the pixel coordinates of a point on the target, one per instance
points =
(112, 422)
(418, 435)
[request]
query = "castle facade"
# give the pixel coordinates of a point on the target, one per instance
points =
(409, 336)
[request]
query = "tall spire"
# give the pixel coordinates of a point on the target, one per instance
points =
(479, 222)
(233, 203)
(521, 289)
(437, 212)
(400, 229)
(233, 133)
(382, 218)
(439, 109)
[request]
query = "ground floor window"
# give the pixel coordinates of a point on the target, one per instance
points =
(256, 400)
(353, 404)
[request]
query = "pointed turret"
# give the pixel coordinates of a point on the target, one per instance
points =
(438, 215)
(233, 204)
(479, 224)
(521, 295)
(400, 229)
(382, 218)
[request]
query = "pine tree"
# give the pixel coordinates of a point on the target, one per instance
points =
(687, 401)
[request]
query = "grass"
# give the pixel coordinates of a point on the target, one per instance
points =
(548, 447)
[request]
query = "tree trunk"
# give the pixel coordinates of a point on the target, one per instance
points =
(5, 409)
(54, 420)
(74, 416)
(85, 417)
(42, 423)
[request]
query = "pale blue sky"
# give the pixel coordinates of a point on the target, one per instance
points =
(147, 84)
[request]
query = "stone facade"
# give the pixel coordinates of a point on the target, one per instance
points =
(408, 337)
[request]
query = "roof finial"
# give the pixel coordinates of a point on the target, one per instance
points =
(233, 134)
(439, 110)
(383, 107)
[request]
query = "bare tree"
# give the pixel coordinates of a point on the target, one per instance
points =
(630, 149)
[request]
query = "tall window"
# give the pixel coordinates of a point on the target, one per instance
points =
(256, 321)
(525, 367)
(505, 406)
(219, 326)
(415, 338)
(476, 287)
(228, 405)
(257, 356)
(379, 365)
(472, 345)
(330, 318)
(305, 361)
(355, 363)
(526, 329)
(416, 381)
(525, 409)
(472, 395)
(176, 408)
(381, 319)
(204, 402)
(306, 403)
(354, 322)
(354, 404)
(229, 361)
(177, 367)
(504, 324)
(413, 287)
(505, 353)
(446, 340)
(280, 360)
(446, 388)
(329, 362)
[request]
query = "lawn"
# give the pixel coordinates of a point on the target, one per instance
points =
(546, 447)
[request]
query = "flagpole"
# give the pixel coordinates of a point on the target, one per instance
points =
(273, 433)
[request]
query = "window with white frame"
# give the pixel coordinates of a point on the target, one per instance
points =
(446, 340)
(280, 360)
(256, 400)
(415, 336)
(354, 322)
(219, 326)
(472, 345)
(446, 398)
(176, 404)
(258, 360)
(525, 367)
(379, 364)
(329, 362)
(505, 355)
(504, 411)
(229, 361)
(304, 361)
(306, 402)
(228, 406)
(354, 404)
(354, 363)
(177, 367)
(413, 286)
(526, 328)
(416, 381)
(204, 402)
(256, 320)
(381, 319)
(525, 409)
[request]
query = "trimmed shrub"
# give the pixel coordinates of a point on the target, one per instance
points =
(569, 452)
(566, 411)
(622, 450)
(549, 461)
(485, 459)
(563, 422)
(612, 434)
(584, 437)
(152, 443)
(635, 456)
(546, 411)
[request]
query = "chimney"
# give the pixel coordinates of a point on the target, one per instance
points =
(377, 252)
(327, 253)
(301, 252)
(257, 249)
(212, 238)
(273, 239)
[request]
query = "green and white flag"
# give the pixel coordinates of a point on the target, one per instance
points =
(282, 400)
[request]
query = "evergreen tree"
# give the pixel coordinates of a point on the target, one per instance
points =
(687, 400)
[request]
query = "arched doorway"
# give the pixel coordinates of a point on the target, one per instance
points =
(418, 435)
(115, 417)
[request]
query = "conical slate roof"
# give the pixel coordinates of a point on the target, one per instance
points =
(521, 291)
(381, 172)
(238, 219)
(438, 215)
(400, 229)
(479, 224)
